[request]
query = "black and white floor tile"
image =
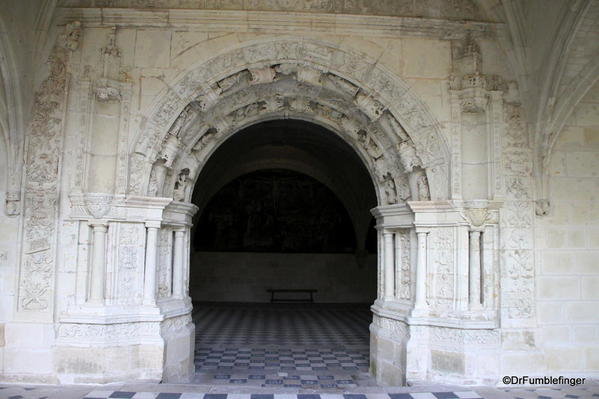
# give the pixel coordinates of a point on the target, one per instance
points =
(290, 346)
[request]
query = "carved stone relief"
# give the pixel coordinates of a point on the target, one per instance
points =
(442, 273)
(517, 272)
(398, 328)
(268, 100)
(404, 288)
(36, 287)
(165, 256)
(173, 325)
(130, 263)
(70, 332)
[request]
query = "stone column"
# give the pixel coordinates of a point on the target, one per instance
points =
(179, 265)
(420, 302)
(397, 265)
(186, 262)
(150, 270)
(389, 266)
(380, 264)
(474, 270)
(98, 269)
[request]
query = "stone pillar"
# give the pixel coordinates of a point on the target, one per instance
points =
(380, 264)
(98, 269)
(389, 266)
(179, 265)
(420, 301)
(397, 265)
(474, 270)
(187, 262)
(150, 269)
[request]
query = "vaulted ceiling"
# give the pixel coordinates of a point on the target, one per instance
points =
(553, 48)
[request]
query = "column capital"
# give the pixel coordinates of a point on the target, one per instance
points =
(422, 230)
(153, 224)
(98, 224)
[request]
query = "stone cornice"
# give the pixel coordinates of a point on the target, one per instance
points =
(276, 22)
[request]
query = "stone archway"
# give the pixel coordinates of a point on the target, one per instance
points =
(355, 98)
(371, 109)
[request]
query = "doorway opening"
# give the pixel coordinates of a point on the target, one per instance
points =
(283, 263)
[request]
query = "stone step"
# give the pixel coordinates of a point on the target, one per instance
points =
(197, 395)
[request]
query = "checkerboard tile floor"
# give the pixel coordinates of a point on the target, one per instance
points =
(283, 359)
(590, 390)
(288, 346)
(281, 324)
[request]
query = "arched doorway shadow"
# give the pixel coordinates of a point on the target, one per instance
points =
(283, 212)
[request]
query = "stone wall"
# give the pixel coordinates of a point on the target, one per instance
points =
(244, 277)
(567, 248)
(103, 260)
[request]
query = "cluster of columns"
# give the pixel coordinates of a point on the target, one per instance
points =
(392, 255)
(97, 294)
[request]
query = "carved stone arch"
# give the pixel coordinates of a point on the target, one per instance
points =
(382, 97)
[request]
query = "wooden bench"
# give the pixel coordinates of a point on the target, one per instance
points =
(276, 291)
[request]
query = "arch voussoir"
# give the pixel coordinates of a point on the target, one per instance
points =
(356, 98)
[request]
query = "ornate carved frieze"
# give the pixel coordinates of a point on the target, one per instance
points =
(454, 336)
(398, 328)
(107, 333)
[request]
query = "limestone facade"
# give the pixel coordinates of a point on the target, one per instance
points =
(486, 266)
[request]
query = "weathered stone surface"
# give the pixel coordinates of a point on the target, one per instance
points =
(485, 177)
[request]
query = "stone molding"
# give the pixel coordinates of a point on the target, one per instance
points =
(277, 21)
(117, 207)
